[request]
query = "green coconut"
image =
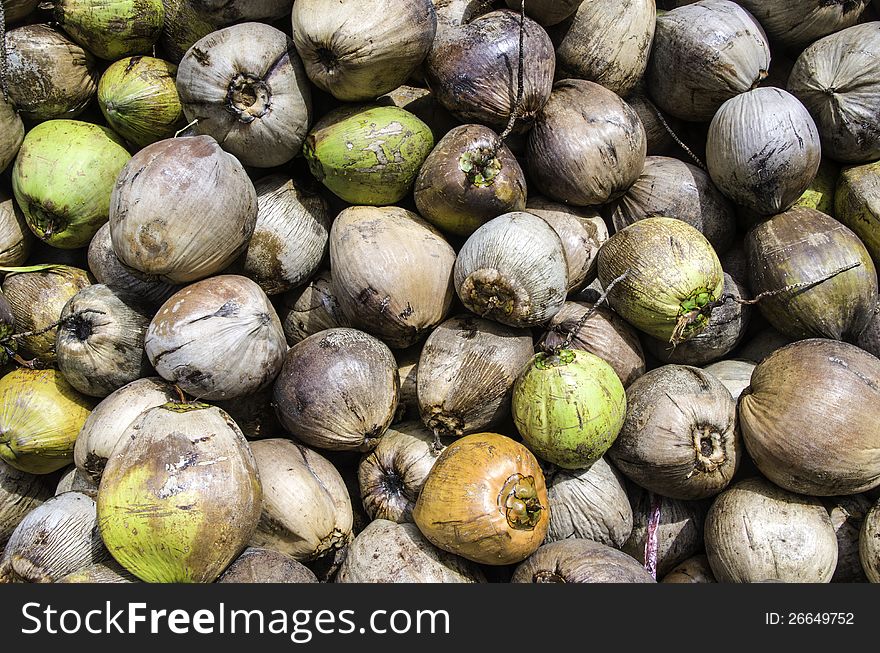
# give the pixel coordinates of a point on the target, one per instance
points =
(673, 277)
(857, 204)
(820, 194)
(368, 155)
(138, 97)
(180, 496)
(112, 29)
(569, 407)
(40, 417)
(63, 178)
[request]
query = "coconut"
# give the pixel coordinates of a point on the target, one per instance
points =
(473, 68)
(589, 504)
(180, 496)
(63, 178)
(607, 42)
(568, 406)
(245, 86)
(360, 49)
(467, 370)
(580, 561)
(138, 98)
(254, 414)
(869, 544)
(362, 373)
(869, 339)
(40, 418)
(386, 552)
(259, 565)
(112, 29)
(809, 418)
(100, 342)
(37, 299)
(513, 270)
(408, 373)
(726, 327)
(469, 178)
(763, 150)
(660, 141)
(108, 571)
(762, 344)
(110, 271)
(820, 193)
(582, 232)
(679, 531)
(857, 204)
(795, 25)
(74, 480)
(368, 154)
(231, 11)
(15, 10)
(847, 516)
(692, 570)
(291, 235)
(16, 239)
(108, 421)
(547, 12)
(604, 334)
(55, 539)
(703, 54)
(219, 338)
(679, 437)
(186, 21)
(20, 493)
(182, 209)
(392, 272)
(673, 277)
(306, 311)
(423, 104)
(822, 298)
(306, 512)
(756, 532)
(735, 375)
(675, 189)
(587, 147)
(12, 130)
(495, 486)
(836, 79)
(49, 75)
(391, 476)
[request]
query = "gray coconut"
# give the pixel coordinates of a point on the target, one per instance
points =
(338, 389)
(869, 544)
(702, 55)
(100, 341)
(579, 561)
(466, 373)
(692, 570)
(847, 516)
(75, 480)
(108, 571)
(606, 42)
(306, 311)
(391, 476)
(16, 239)
(219, 338)
(246, 86)
(11, 133)
(20, 493)
(589, 504)
(54, 539)
(756, 531)
(679, 532)
(796, 25)
(261, 565)
(678, 438)
(735, 374)
(387, 552)
(836, 78)
(763, 150)
(675, 189)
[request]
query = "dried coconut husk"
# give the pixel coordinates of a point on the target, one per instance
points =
(692, 570)
(20, 493)
(847, 516)
(261, 565)
(16, 239)
(869, 544)
(306, 311)
(580, 561)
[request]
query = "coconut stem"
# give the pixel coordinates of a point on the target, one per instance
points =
(569, 338)
(675, 137)
(520, 84)
(183, 129)
(73, 317)
(4, 81)
(652, 539)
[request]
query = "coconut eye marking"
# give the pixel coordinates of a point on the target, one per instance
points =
(708, 450)
(480, 166)
(519, 502)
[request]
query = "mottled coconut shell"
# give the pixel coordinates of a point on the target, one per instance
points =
(580, 561)
(466, 373)
(836, 78)
(675, 189)
(869, 544)
(757, 532)
(607, 42)
(386, 552)
(20, 493)
(702, 55)
(587, 147)
(809, 418)
(338, 389)
(798, 24)
(763, 150)
(259, 565)
(392, 272)
(306, 311)
(692, 570)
